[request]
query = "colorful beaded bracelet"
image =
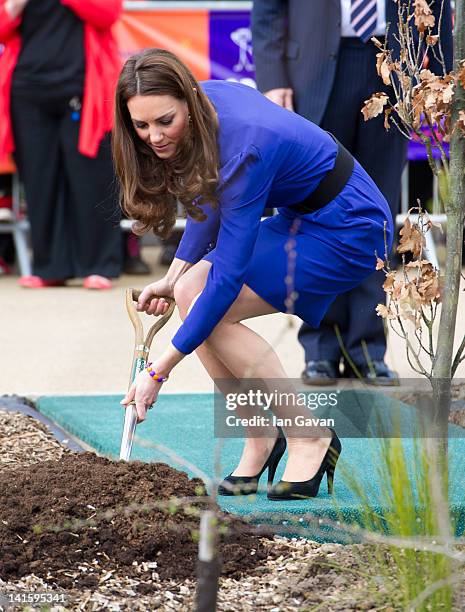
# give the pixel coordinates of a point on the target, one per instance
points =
(154, 375)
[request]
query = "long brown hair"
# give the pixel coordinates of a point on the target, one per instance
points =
(151, 187)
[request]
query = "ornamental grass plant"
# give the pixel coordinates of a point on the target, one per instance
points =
(414, 565)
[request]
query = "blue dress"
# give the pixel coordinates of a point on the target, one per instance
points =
(271, 157)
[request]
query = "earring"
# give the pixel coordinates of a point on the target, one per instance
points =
(190, 118)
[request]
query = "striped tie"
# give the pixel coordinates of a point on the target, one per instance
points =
(363, 16)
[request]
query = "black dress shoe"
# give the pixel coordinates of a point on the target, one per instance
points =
(286, 490)
(321, 373)
(248, 485)
(168, 253)
(377, 373)
(132, 261)
(135, 266)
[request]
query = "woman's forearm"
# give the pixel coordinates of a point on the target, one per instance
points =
(177, 268)
(168, 360)
(171, 356)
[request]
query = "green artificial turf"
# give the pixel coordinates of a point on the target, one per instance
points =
(185, 424)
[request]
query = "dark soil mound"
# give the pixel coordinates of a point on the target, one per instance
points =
(56, 516)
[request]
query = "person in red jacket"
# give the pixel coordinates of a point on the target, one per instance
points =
(57, 79)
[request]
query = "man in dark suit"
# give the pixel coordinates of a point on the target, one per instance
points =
(316, 57)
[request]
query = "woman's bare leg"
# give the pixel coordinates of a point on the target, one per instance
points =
(258, 441)
(234, 349)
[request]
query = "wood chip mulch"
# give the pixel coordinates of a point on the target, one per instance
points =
(299, 575)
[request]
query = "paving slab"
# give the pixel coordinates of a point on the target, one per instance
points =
(69, 340)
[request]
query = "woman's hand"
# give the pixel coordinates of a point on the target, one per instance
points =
(155, 305)
(14, 8)
(144, 392)
(282, 97)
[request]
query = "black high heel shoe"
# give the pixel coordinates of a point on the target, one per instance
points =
(248, 485)
(309, 488)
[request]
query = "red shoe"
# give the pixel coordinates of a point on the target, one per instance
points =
(36, 282)
(95, 281)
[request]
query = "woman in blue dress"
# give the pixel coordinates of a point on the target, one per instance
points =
(226, 153)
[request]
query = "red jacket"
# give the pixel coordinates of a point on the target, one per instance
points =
(102, 69)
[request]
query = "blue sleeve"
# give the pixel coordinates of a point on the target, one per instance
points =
(246, 184)
(199, 236)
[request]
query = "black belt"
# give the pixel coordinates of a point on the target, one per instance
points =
(331, 185)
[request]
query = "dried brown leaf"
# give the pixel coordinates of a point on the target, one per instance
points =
(436, 224)
(417, 263)
(388, 284)
(406, 82)
(448, 93)
(424, 17)
(427, 75)
(431, 101)
(415, 297)
(427, 268)
(385, 312)
(422, 290)
(410, 315)
(374, 106)
(412, 239)
(429, 289)
(379, 264)
(387, 112)
(383, 67)
(397, 291)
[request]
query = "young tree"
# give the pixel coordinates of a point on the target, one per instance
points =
(431, 107)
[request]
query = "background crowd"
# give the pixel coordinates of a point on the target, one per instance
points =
(58, 71)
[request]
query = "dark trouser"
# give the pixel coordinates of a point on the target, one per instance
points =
(71, 198)
(7, 249)
(383, 155)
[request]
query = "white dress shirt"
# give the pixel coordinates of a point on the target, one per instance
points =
(348, 31)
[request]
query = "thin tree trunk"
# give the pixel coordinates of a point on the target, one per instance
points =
(454, 207)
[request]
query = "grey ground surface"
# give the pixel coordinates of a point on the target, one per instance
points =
(71, 340)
